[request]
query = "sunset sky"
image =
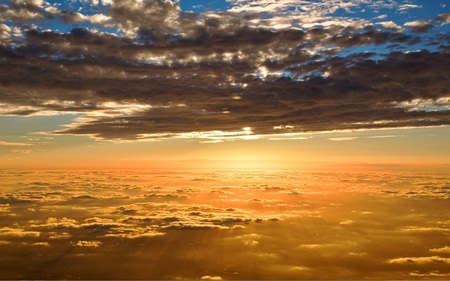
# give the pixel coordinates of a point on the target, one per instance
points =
(224, 84)
(224, 139)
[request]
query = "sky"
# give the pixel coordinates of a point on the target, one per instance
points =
(224, 84)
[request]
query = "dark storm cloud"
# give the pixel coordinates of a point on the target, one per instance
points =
(177, 74)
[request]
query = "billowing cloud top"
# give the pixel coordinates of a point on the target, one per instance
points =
(155, 69)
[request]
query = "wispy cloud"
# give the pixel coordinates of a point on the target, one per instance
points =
(420, 260)
(343, 139)
(7, 143)
(8, 232)
(404, 7)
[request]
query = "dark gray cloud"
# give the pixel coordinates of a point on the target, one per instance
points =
(181, 74)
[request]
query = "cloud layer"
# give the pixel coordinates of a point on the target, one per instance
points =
(229, 225)
(146, 69)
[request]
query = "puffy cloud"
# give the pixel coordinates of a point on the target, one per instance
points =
(4, 31)
(251, 243)
(419, 26)
(100, 18)
(28, 3)
(62, 228)
(83, 243)
(445, 250)
(390, 25)
(183, 216)
(151, 20)
(60, 223)
(77, 17)
(4, 208)
(21, 10)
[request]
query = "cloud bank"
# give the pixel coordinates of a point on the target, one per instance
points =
(139, 70)
(229, 225)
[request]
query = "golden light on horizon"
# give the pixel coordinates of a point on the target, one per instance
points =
(243, 161)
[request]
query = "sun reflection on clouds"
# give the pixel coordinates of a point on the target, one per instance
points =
(280, 224)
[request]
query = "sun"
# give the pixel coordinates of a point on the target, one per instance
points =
(247, 161)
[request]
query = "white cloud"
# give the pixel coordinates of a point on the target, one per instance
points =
(208, 277)
(390, 25)
(427, 105)
(427, 275)
(405, 7)
(4, 31)
(346, 222)
(6, 143)
(83, 243)
(384, 136)
(52, 10)
(4, 208)
(298, 268)
(42, 244)
(251, 243)
(35, 3)
(419, 25)
(419, 260)
(445, 250)
(99, 18)
(343, 139)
